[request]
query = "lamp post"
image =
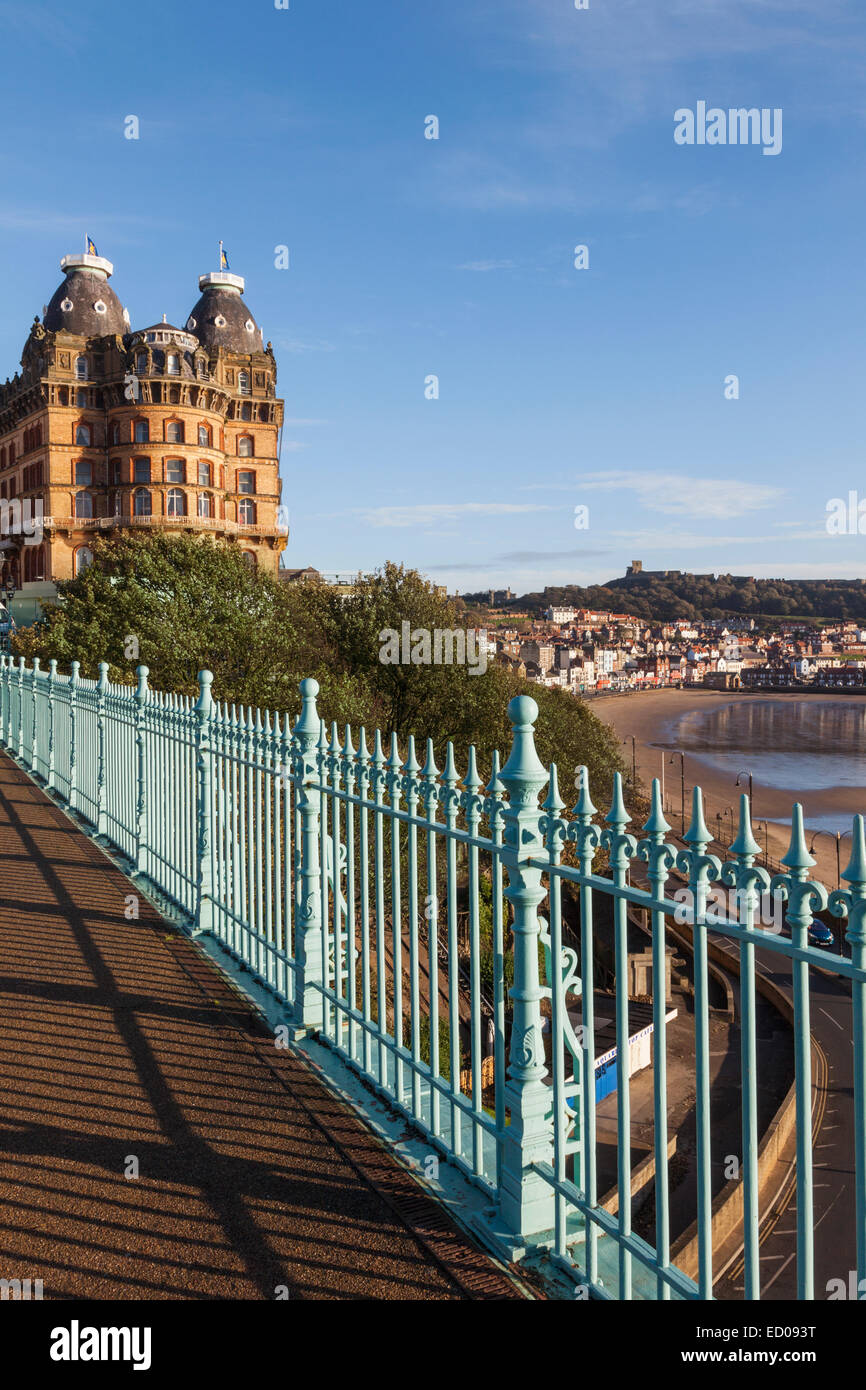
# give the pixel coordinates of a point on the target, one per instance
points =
(679, 755)
(766, 838)
(9, 594)
(729, 811)
(838, 836)
(737, 783)
(633, 760)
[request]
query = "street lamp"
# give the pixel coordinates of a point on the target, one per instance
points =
(729, 811)
(737, 783)
(838, 836)
(9, 594)
(633, 760)
(766, 838)
(679, 755)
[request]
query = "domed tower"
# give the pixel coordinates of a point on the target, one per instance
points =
(221, 319)
(52, 427)
(85, 304)
(246, 373)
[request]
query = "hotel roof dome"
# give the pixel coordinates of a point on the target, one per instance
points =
(220, 318)
(85, 303)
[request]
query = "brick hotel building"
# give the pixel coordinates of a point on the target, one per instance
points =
(106, 427)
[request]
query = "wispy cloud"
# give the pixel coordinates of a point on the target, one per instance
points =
(487, 265)
(427, 513)
(675, 494)
(300, 345)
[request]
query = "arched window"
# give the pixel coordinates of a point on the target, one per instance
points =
(205, 504)
(115, 433)
(81, 400)
(142, 432)
(172, 364)
(246, 411)
(246, 482)
(244, 383)
(175, 502)
(250, 559)
(246, 512)
(83, 504)
(34, 564)
(174, 432)
(204, 436)
(245, 446)
(203, 474)
(82, 435)
(141, 363)
(141, 502)
(83, 473)
(83, 559)
(81, 368)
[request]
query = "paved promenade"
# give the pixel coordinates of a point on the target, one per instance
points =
(122, 1048)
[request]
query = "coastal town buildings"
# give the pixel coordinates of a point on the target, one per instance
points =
(592, 652)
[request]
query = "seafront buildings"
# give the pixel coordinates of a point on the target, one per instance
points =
(588, 651)
(109, 427)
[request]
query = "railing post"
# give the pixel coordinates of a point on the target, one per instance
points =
(34, 741)
(140, 770)
(52, 677)
(204, 806)
(19, 737)
(4, 696)
(73, 749)
(526, 1199)
(101, 692)
(309, 963)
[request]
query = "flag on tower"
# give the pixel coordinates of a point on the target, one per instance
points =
(224, 260)
(91, 247)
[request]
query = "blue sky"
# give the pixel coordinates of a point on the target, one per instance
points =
(454, 257)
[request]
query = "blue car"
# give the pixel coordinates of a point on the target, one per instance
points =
(819, 935)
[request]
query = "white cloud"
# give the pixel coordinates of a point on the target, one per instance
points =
(677, 494)
(428, 513)
(487, 265)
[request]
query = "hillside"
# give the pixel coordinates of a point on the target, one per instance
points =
(670, 594)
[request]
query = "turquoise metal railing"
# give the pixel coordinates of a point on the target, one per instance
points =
(356, 884)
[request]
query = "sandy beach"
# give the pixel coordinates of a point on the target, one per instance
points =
(651, 716)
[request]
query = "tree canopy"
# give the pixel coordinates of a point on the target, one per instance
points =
(181, 604)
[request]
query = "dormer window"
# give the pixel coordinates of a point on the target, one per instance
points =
(141, 363)
(191, 323)
(100, 306)
(66, 306)
(219, 321)
(81, 368)
(244, 383)
(172, 364)
(250, 326)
